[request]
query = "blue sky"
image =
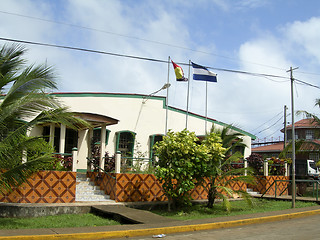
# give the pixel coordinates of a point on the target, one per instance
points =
(260, 36)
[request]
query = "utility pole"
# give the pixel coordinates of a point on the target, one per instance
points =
(293, 142)
(285, 128)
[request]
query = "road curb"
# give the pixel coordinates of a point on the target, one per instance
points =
(164, 230)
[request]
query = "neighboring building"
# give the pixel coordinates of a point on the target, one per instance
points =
(270, 150)
(305, 129)
(130, 123)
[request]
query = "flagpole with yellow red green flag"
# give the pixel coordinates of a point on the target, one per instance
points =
(167, 98)
(180, 78)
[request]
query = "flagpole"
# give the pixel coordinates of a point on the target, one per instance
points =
(188, 95)
(206, 107)
(167, 100)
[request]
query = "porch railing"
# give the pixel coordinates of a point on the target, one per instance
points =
(297, 181)
(136, 164)
(92, 162)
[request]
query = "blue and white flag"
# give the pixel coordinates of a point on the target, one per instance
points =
(201, 73)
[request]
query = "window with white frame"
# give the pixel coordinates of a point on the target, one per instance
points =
(309, 134)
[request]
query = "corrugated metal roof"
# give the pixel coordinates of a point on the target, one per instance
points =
(96, 120)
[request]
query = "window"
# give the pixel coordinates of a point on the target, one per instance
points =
(71, 140)
(309, 134)
(239, 149)
(153, 140)
(46, 136)
(97, 136)
(314, 156)
(125, 143)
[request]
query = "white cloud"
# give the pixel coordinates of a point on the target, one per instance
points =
(230, 5)
(241, 99)
(291, 46)
(306, 35)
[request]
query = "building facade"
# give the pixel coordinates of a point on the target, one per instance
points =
(307, 136)
(129, 123)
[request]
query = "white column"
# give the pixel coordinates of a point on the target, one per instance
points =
(245, 165)
(24, 156)
(62, 138)
(89, 155)
(74, 159)
(117, 162)
(102, 145)
(51, 138)
(24, 152)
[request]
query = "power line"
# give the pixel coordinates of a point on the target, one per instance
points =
(126, 36)
(267, 121)
(83, 49)
(317, 74)
(276, 80)
(274, 132)
(149, 59)
(269, 126)
(305, 83)
(141, 39)
(134, 57)
(136, 38)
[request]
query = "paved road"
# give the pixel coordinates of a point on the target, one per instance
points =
(294, 229)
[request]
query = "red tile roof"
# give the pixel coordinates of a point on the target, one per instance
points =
(277, 147)
(313, 145)
(310, 146)
(304, 123)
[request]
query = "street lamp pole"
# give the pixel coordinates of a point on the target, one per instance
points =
(165, 86)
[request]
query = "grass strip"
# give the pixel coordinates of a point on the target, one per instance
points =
(240, 207)
(197, 211)
(56, 221)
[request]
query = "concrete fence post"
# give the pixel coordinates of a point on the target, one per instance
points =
(74, 159)
(265, 167)
(117, 160)
(286, 169)
(245, 165)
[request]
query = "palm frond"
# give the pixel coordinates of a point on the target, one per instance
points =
(25, 105)
(62, 116)
(246, 196)
(10, 62)
(242, 178)
(288, 148)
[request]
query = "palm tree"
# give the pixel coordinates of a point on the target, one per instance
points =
(219, 165)
(23, 105)
(311, 115)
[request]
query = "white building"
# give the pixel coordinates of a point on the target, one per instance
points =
(132, 123)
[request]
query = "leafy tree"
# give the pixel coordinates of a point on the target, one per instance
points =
(24, 105)
(182, 164)
(221, 143)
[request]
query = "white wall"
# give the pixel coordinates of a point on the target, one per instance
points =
(145, 117)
